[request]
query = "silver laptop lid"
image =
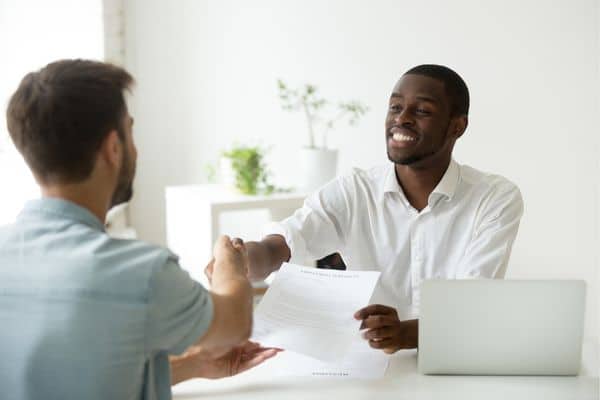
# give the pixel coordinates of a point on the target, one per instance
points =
(501, 327)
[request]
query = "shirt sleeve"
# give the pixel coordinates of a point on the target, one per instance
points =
(317, 229)
(496, 228)
(180, 310)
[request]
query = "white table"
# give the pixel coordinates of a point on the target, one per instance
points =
(193, 214)
(402, 381)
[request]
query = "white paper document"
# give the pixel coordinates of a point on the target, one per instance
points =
(310, 313)
(360, 362)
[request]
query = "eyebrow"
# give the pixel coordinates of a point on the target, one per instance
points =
(425, 98)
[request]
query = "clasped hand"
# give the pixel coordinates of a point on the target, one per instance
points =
(385, 331)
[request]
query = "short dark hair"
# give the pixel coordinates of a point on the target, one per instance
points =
(59, 116)
(455, 85)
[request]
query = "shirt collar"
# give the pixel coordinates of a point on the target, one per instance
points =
(446, 187)
(63, 208)
(390, 183)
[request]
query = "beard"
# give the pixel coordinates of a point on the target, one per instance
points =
(124, 190)
(409, 160)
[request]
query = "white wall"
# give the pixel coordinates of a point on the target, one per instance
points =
(32, 34)
(206, 75)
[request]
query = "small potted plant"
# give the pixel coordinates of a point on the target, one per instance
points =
(319, 163)
(244, 168)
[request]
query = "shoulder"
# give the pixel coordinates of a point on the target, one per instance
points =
(491, 188)
(132, 263)
(136, 252)
(371, 176)
(350, 189)
(369, 180)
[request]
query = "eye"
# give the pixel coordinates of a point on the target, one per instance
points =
(395, 108)
(422, 111)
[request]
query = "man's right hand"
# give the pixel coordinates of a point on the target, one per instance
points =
(230, 255)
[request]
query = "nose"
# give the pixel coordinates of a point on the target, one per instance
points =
(404, 118)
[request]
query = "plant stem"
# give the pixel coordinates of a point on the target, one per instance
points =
(330, 124)
(311, 133)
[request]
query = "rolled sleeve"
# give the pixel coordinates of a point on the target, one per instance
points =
(180, 310)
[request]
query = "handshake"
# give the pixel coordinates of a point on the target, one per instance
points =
(230, 260)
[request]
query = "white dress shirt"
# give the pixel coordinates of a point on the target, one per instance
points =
(466, 230)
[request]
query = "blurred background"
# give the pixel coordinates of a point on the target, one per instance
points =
(207, 74)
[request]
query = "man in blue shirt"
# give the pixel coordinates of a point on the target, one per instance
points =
(84, 315)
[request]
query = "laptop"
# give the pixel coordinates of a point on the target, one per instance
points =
(501, 327)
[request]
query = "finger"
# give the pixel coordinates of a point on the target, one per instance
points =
(237, 242)
(378, 321)
(209, 269)
(253, 352)
(251, 343)
(250, 346)
(235, 361)
(381, 333)
(256, 360)
(374, 309)
(381, 344)
(256, 344)
(241, 248)
(239, 245)
(222, 243)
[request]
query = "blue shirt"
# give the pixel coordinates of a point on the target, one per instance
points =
(86, 316)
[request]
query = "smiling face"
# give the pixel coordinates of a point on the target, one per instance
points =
(419, 125)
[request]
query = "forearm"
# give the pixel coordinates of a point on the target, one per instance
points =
(231, 285)
(234, 298)
(231, 295)
(181, 370)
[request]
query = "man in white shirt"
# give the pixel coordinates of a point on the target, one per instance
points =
(423, 216)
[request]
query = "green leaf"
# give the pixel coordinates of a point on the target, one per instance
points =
(251, 173)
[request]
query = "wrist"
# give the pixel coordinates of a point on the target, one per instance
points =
(181, 370)
(229, 267)
(259, 261)
(410, 334)
(229, 283)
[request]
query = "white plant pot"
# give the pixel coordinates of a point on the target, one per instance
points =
(318, 166)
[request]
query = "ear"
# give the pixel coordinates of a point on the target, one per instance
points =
(458, 126)
(111, 149)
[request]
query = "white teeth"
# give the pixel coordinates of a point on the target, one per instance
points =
(398, 137)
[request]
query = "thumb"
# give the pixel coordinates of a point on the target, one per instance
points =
(222, 243)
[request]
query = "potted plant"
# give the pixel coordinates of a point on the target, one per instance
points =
(244, 168)
(318, 162)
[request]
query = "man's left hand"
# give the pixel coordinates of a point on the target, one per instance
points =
(194, 364)
(385, 331)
